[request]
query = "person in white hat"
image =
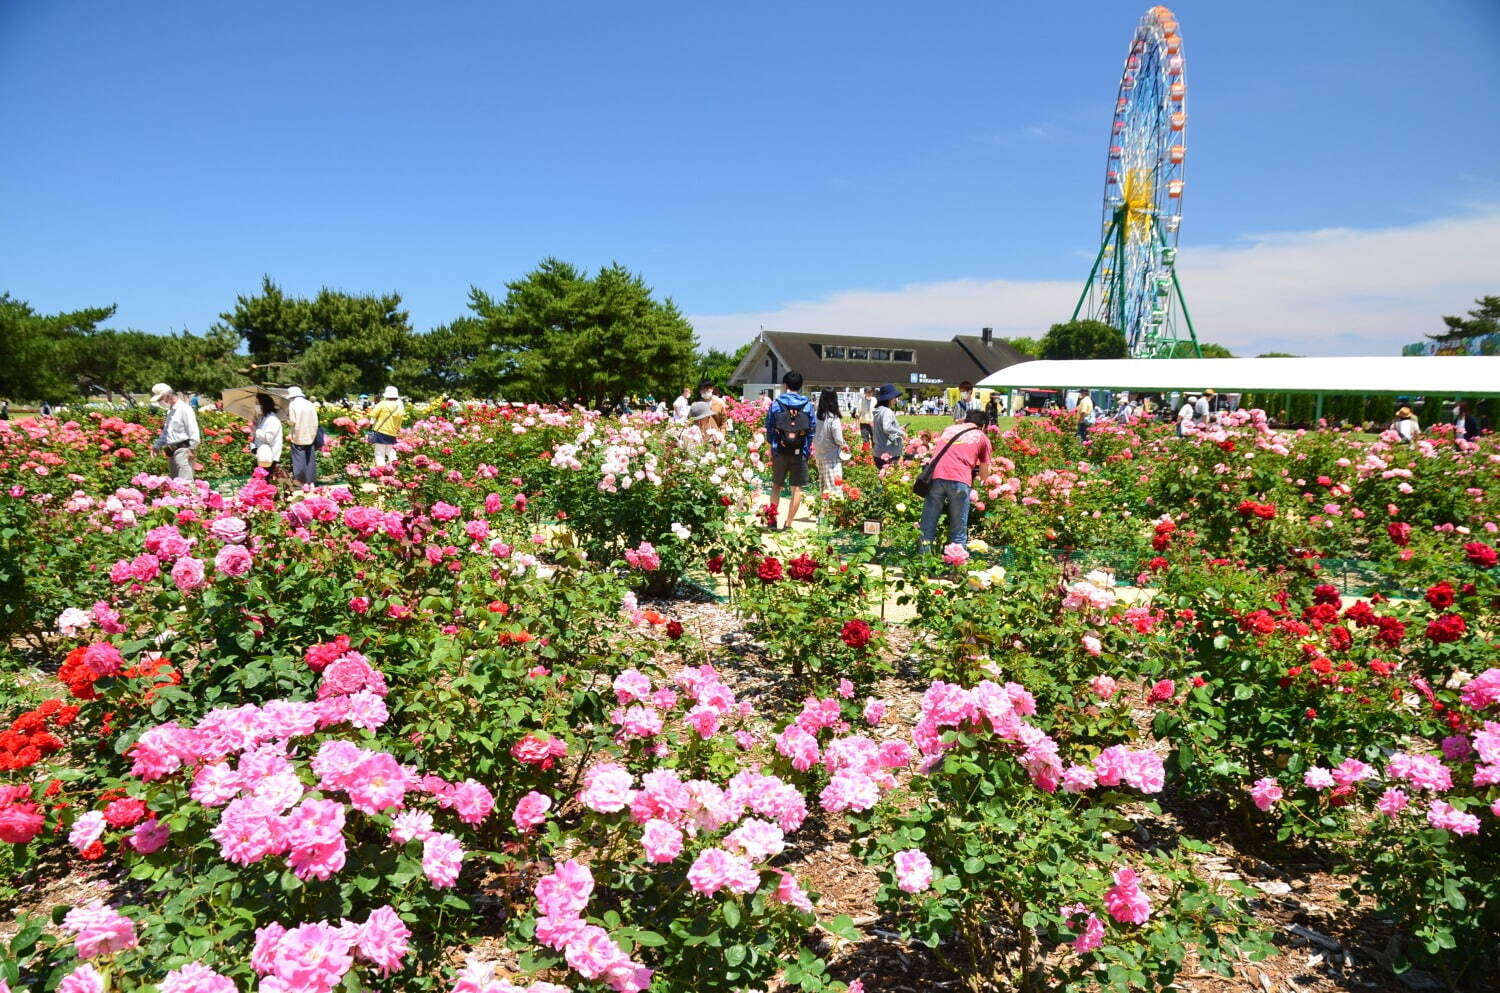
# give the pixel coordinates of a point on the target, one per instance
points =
(179, 433)
(385, 425)
(304, 436)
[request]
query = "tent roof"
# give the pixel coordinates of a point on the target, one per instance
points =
(1407, 375)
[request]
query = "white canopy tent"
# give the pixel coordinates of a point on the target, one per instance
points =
(1406, 375)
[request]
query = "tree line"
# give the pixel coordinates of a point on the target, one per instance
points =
(556, 334)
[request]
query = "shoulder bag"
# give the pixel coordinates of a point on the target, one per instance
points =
(923, 482)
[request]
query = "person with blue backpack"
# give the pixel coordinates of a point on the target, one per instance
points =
(790, 423)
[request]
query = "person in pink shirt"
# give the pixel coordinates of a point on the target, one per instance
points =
(953, 475)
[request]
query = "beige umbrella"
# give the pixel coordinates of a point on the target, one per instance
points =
(241, 401)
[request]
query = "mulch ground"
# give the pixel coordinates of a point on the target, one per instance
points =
(1323, 945)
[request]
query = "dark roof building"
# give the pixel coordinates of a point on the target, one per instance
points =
(856, 361)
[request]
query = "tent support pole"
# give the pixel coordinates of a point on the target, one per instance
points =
(1318, 410)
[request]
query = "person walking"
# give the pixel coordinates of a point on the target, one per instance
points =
(304, 436)
(179, 436)
(1465, 424)
(385, 425)
(1085, 411)
(268, 436)
(962, 449)
(992, 408)
(791, 421)
(866, 416)
(889, 435)
(965, 402)
(681, 404)
(829, 449)
(4, 410)
(1406, 426)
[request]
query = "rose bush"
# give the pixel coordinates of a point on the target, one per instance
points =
(348, 735)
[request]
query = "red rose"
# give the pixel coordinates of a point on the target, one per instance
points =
(1163, 691)
(1391, 631)
(1326, 593)
(1310, 713)
(802, 567)
(1260, 622)
(770, 569)
(1399, 533)
(1481, 554)
(716, 564)
(1441, 596)
(1339, 639)
(856, 634)
(125, 812)
(1449, 627)
(674, 629)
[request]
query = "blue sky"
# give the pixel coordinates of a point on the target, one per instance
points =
(886, 167)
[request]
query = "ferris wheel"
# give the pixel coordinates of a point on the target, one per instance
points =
(1133, 284)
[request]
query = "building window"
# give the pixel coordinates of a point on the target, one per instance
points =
(903, 355)
(859, 353)
(831, 351)
(880, 355)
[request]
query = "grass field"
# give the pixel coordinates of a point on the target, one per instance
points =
(936, 422)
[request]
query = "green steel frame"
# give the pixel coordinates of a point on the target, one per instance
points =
(1115, 234)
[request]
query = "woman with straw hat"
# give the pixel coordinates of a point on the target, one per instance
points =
(1406, 426)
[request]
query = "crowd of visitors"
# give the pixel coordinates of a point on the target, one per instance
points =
(800, 432)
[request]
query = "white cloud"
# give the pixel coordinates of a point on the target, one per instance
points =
(1338, 291)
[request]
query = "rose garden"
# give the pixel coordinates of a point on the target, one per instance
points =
(543, 705)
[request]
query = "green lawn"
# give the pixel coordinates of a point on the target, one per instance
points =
(936, 422)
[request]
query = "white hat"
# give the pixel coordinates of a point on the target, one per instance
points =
(391, 393)
(158, 391)
(293, 392)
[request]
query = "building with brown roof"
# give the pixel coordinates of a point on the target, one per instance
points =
(852, 362)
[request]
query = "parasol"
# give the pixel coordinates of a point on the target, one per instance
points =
(240, 401)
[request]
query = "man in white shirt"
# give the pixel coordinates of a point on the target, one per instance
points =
(303, 418)
(179, 433)
(680, 405)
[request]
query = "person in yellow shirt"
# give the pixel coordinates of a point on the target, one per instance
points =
(385, 424)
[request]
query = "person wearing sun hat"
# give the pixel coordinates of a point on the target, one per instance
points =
(889, 436)
(1406, 426)
(303, 435)
(179, 432)
(385, 424)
